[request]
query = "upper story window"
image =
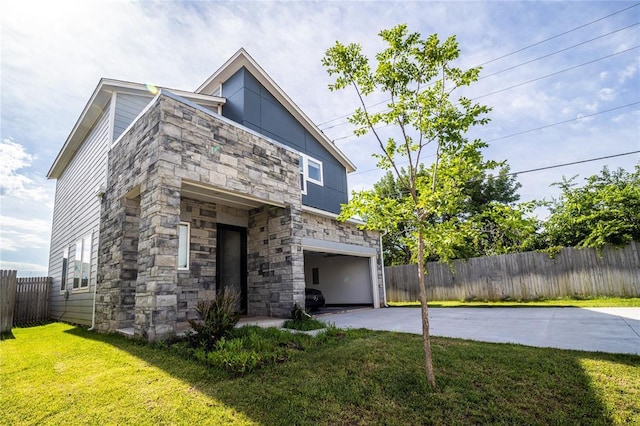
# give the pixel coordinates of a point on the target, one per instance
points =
(310, 171)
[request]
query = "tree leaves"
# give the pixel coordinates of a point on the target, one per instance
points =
(606, 210)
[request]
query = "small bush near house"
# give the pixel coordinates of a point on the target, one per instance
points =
(218, 317)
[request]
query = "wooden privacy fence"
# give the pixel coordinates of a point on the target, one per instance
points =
(524, 276)
(23, 301)
(32, 300)
(8, 283)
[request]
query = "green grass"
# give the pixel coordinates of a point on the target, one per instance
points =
(306, 324)
(602, 302)
(61, 374)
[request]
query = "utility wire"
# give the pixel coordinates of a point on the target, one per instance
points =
(528, 131)
(514, 52)
(563, 122)
(559, 35)
(558, 51)
(520, 84)
(557, 72)
(555, 166)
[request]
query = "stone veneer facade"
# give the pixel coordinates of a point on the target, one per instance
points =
(175, 143)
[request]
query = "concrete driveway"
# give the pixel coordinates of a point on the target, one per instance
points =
(615, 330)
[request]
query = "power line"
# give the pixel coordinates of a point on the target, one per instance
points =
(556, 73)
(558, 51)
(513, 53)
(525, 131)
(560, 35)
(563, 122)
(528, 131)
(522, 84)
(555, 166)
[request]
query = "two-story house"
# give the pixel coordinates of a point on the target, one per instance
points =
(165, 196)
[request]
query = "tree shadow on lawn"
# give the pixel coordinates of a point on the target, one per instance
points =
(377, 378)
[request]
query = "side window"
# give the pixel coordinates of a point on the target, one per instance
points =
(303, 180)
(183, 245)
(65, 265)
(314, 171)
(310, 171)
(86, 262)
(77, 264)
(82, 263)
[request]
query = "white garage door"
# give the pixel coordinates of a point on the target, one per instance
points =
(342, 279)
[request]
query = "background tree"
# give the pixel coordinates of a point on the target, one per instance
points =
(482, 195)
(418, 78)
(606, 210)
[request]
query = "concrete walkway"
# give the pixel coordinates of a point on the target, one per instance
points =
(615, 330)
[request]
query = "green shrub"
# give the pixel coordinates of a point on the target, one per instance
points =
(218, 317)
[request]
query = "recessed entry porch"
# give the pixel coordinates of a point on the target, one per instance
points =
(220, 239)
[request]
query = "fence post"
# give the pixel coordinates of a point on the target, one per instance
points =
(8, 283)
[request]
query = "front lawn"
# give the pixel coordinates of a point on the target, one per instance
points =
(61, 374)
(567, 302)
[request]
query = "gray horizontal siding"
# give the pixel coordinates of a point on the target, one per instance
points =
(76, 213)
(127, 109)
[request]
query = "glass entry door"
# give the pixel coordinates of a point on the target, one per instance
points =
(231, 261)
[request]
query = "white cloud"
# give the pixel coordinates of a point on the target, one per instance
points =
(628, 73)
(607, 94)
(13, 183)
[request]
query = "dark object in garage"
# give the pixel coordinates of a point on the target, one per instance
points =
(313, 298)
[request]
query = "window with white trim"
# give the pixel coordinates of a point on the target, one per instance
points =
(183, 245)
(65, 268)
(310, 171)
(82, 263)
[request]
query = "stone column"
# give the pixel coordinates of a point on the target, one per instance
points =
(276, 261)
(156, 299)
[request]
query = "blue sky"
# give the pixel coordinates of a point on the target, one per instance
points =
(54, 53)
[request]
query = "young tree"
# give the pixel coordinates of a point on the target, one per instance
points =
(606, 210)
(418, 78)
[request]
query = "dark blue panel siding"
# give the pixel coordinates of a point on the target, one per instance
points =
(251, 105)
(324, 198)
(279, 122)
(334, 176)
(234, 84)
(234, 107)
(233, 91)
(252, 108)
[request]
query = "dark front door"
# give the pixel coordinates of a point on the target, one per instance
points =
(231, 261)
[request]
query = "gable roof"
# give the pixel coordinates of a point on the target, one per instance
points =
(243, 59)
(95, 107)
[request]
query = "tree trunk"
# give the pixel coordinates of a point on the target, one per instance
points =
(426, 339)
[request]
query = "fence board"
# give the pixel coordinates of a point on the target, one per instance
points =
(8, 284)
(32, 300)
(524, 276)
